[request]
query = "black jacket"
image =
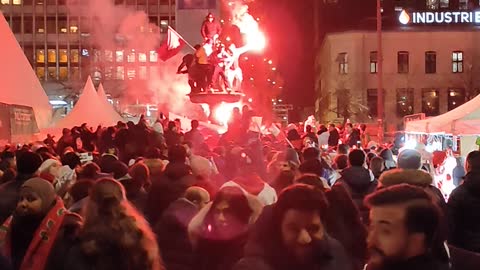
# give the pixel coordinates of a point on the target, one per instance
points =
(464, 213)
(424, 262)
(333, 138)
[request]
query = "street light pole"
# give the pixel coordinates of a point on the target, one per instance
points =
(380, 102)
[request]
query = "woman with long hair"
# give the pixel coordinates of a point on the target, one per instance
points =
(115, 235)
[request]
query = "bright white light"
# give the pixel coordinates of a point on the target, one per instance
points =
(58, 102)
(223, 113)
(411, 144)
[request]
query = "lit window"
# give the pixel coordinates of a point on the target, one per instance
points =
(73, 26)
(142, 73)
(97, 75)
(52, 73)
(96, 55)
(457, 62)
(119, 56)
(430, 102)
(40, 25)
(17, 2)
(462, 4)
(402, 58)
(142, 57)
(74, 55)
(456, 97)
(131, 57)
(372, 102)
(62, 56)
(40, 73)
(40, 56)
(444, 3)
(5, 2)
(432, 4)
(373, 62)
(343, 63)
(63, 73)
(108, 55)
(430, 62)
(120, 73)
(131, 73)
(163, 26)
(405, 102)
(108, 72)
(153, 56)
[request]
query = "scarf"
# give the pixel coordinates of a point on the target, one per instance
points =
(39, 249)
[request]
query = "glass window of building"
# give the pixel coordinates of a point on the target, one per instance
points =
(108, 73)
(342, 63)
(5, 2)
(39, 2)
(433, 4)
(52, 73)
(120, 74)
(51, 25)
(16, 24)
(430, 102)
(163, 25)
(108, 54)
(63, 73)
(74, 55)
(40, 73)
(73, 25)
(131, 57)
(463, 4)
(62, 24)
(430, 62)
(52, 55)
(457, 62)
(153, 20)
(96, 55)
(373, 62)
(142, 73)
(74, 73)
(39, 25)
(28, 24)
(84, 25)
(17, 2)
(62, 56)
(51, 2)
(372, 102)
(119, 56)
(153, 56)
(342, 102)
(131, 73)
(142, 57)
(28, 49)
(403, 59)
(405, 101)
(444, 3)
(153, 72)
(456, 97)
(40, 56)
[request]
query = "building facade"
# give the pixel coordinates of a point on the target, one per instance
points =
(58, 42)
(430, 63)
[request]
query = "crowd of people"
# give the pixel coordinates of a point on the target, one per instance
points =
(214, 66)
(141, 196)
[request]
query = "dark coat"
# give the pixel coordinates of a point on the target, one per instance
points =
(333, 138)
(357, 181)
(172, 235)
(464, 213)
(5, 264)
(463, 260)
(424, 262)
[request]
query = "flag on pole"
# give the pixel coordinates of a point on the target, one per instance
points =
(171, 46)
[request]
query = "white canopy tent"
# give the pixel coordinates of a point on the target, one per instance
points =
(19, 82)
(91, 110)
(461, 121)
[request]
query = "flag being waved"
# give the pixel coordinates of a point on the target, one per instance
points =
(171, 46)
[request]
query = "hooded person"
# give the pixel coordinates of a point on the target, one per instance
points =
(211, 29)
(41, 231)
(137, 185)
(358, 181)
(27, 167)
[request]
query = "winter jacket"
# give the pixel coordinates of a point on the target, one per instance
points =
(423, 262)
(333, 138)
(359, 183)
(172, 235)
(210, 29)
(464, 213)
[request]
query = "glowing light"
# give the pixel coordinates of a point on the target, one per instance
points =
(255, 39)
(250, 100)
(274, 83)
(404, 18)
(270, 62)
(228, 39)
(246, 58)
(223, 113)
(411, 144)
(274, 69)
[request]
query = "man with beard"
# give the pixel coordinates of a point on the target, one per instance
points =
(295, 236)
(404, 229)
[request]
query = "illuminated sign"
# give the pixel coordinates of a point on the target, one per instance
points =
(446, 17)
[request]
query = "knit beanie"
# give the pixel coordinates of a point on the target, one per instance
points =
(107, 188)
(409, 159)
(43, 189)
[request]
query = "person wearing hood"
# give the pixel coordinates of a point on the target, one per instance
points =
(41, 231)
(27, 167)
(358, 180)
(211, 29)
(136, 185)
(387, 156)
(464, 207)
(296, 236)
(172, 229)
